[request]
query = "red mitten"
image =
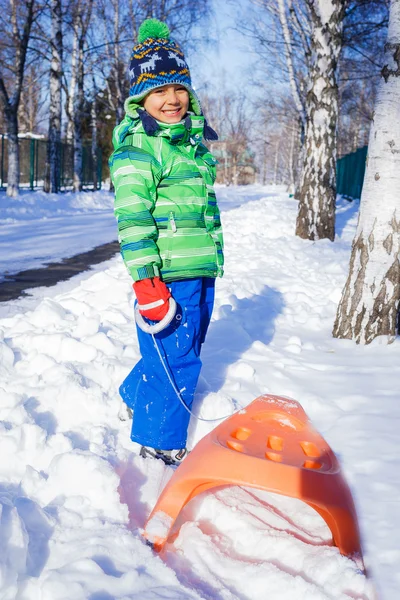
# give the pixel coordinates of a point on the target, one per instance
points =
(152, 296)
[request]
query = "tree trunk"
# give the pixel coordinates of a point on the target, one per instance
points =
(295, 90)
(93, 123)
(288, 50)
(316, 216)
(13, 153)
(54, 141)
(81, 25)
(300, 158)
(264, 166)
(11, 101)
(276, 162)
(234, 170)
(117, 66)
(78, 116)
(70, 103)
(370, 298)
(291, 173)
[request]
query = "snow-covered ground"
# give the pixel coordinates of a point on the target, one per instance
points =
(38, 228)
(73, 494)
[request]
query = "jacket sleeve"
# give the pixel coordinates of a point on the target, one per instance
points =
(135, 175)
(216, 231)
(216, 227)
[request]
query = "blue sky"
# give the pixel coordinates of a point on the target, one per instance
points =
(230, 52)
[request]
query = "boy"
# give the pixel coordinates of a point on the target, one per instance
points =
(170, 235)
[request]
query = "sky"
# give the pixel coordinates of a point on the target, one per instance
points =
(229, 53)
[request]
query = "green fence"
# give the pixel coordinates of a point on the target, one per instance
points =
(32, 164)
(349, 176)
(350, 173)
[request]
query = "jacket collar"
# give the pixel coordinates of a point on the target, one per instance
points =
(189, 130)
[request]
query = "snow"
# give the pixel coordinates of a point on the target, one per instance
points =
(75, 494)
(158, 526)
(38, 228)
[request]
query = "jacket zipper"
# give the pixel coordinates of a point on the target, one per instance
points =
(171, 230)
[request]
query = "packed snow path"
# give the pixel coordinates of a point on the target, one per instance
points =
(73, 495)
(38, 228)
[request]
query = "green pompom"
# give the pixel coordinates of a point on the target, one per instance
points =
(153, 28)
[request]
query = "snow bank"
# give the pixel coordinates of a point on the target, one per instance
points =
(38, 228)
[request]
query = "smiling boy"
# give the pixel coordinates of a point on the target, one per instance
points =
(170, 235)
(168, 103)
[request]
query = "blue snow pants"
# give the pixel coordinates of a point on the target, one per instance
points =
(159, 419)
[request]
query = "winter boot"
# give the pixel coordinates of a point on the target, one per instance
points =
(170, 457)
(125, 413)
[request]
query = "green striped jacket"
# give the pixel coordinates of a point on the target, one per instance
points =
(168, 219)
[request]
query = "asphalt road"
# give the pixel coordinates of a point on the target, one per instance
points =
(14, 285)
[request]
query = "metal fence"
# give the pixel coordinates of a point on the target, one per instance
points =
(349, 176)
(32, 164)
(350, 173)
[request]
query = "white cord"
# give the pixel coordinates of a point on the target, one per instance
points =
(177, 392)
(156, 327)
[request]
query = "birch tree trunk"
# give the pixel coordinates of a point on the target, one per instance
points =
(294, 85)
(70, 103)
(370, 298)
(316, 214)
(54, 141)
(13, 153)
(93, 125)
(116, 91)
(78, 115)
(81, 24)
(234, 170)
(292, 177)
(10, 101)
(276, 162)
(288, 50)
(116, 46)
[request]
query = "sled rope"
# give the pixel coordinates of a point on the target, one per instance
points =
(177, 392)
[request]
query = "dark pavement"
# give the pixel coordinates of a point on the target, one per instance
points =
(14, 285)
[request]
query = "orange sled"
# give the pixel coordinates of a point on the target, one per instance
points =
(270, 445)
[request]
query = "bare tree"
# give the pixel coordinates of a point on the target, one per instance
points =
(276, 141)
(295, 30)
(117, 24)
(297, 38)
(15, 52)
(93, 126)
(70, 87)
(282, 31)
(356, 114)
(30, 110)
(81, 12)
(182, 16)
(54, 135)
(370, 298)
(113, 54)
(316, 213)
(228, 113)
(237, 128)
(364, 35)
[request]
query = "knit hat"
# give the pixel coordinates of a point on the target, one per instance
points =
(156, 61)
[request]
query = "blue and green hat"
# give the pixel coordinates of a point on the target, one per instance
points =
(157, 60)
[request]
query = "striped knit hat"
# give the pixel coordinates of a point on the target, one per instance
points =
(156, 61)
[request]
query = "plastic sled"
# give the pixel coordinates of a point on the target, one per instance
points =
(270, 445)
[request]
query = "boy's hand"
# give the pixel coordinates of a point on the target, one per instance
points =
(152, 296)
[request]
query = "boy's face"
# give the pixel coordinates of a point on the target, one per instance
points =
(168, 104)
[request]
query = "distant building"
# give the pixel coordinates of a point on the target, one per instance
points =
(235, 165)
